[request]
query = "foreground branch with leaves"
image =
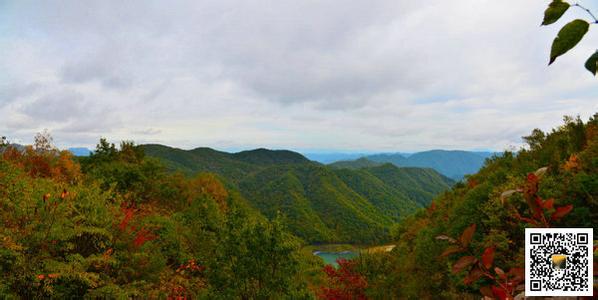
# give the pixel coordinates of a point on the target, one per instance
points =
(571, 34)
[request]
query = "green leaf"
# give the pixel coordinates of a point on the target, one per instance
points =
(592, 63)
(568, 37)
(554, 11)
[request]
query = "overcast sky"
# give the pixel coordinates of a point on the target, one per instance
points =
(389, 75)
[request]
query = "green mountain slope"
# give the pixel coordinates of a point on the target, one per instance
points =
(267, 157)
(320, 207)
(389, 200)
(355, 164)
(322, 204)
(201, 160)
(418, 184)
(395, 159)
(558, 169)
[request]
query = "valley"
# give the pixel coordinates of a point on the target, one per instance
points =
(321, 204)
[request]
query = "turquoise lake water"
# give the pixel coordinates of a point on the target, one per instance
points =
(331, 257)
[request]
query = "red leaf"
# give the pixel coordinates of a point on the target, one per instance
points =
(129, 213)
(467, 235)
(539, 203)
(548, 204)
(499, 293)
(488, 257)
(561, 212)
(532, 178)
(528, 220)
(451, 250)
(463, 263)
(536, 205)
(432, 207)
(143, 236)
(531, 187)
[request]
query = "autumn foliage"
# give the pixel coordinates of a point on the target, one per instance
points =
(344, 283)
(118, 225)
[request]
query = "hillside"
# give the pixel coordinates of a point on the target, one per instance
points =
(320, 207)
(330, 157)
(269, 157)
(200, 160)
(355, 164)
(558, 170)
(418, 184)
(117, 225)
(391, 201)
(322, 204)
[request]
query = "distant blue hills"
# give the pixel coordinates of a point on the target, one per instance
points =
(330, 157)
(80, 151)
(454, 164)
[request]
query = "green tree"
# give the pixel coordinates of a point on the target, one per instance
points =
(258, 260)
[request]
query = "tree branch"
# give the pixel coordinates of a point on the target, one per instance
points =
(588, 11)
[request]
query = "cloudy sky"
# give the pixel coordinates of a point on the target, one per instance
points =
(390, 75)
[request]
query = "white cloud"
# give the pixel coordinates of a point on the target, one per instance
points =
(376, 75)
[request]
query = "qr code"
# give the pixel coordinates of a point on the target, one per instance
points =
(558, 261)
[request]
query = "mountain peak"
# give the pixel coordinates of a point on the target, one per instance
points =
(268, 156)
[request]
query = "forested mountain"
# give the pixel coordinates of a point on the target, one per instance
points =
(451, 163)
(551, 183)
(355, 164)
(322, 204)
(418, 184)
(117, 224)
(396, 159)
(330, 157)
(320, 207)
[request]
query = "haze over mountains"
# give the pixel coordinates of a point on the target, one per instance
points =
(322, 204)
(454, 164)
(451, 163)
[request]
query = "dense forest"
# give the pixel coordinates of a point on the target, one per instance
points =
(323, 204)
(469, 241)
(120, 224)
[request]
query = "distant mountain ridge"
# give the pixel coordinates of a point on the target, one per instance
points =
(355, 164)
(322, 204)
(451, 163)
(79, 151)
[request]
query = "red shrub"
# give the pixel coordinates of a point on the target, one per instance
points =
(344, 282)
